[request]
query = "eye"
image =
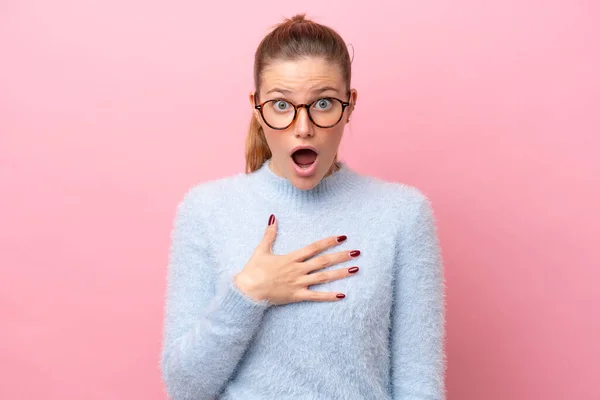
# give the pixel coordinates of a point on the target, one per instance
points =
(281, 105)
(323, 104)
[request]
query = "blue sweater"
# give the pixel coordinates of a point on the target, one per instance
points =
(385, 340)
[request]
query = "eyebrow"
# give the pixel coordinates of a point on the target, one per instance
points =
(314, 91)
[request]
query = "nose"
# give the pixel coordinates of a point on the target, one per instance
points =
(303, 126)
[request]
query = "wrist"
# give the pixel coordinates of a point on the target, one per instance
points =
(248, 286)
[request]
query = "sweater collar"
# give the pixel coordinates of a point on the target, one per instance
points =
(275, 187)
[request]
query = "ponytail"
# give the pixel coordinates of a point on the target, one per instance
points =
(257, 149)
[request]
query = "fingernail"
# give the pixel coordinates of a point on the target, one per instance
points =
(340, 239)
(340, 295)
(355, 253)
(271, 220)
(353, 270)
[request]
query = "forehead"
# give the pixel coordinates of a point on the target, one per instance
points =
(302, 76)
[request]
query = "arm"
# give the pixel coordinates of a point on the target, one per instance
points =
(417, 337)
(207, 327)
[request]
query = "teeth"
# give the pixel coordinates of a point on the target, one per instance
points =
(304, 166)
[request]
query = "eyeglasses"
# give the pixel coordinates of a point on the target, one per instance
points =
(325, 112)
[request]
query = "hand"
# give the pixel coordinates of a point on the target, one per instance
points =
(282, 279)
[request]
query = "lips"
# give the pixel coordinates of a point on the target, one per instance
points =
(305, 161)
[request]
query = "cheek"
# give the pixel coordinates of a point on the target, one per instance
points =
(334, 136)
(274, 139)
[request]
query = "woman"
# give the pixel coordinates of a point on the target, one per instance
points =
(282, 312)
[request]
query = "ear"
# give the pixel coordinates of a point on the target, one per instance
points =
(252, 100)
(255, 112)
(353, 97)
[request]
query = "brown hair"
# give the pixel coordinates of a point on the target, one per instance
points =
(293, 39)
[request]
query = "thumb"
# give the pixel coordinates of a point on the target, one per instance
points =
(270, 234)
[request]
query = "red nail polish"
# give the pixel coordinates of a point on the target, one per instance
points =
(271, 220)
(353, 270)
(340, 239)
(355, 253)
(340, 295)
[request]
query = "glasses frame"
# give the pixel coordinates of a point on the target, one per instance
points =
(260, 106)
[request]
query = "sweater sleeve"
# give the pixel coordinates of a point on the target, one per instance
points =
(418, 318)
(207, 326)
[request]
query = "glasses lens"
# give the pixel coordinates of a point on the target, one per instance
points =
(326, 112)
(278, 113)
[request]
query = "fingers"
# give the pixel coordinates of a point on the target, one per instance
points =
(270, 234)
(316, 247)
(327, 276)
(323, 277)
(327, 260)
(311, 295)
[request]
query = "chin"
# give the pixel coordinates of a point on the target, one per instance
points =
(306, 182)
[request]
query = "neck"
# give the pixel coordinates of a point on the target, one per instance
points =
(334, 167)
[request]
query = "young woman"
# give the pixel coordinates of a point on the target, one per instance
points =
(341, 295)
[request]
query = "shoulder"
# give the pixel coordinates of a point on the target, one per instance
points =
(407, 210)
(403, 200)
(204, 197)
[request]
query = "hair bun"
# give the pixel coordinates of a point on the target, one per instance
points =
(298, 18)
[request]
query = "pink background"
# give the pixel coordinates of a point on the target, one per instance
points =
(110, 110)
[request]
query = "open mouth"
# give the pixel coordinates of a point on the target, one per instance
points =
(304, 158)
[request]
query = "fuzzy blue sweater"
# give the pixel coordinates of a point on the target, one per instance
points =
(385, 340)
